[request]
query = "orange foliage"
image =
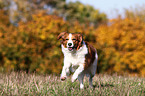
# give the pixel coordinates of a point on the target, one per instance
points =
(5, 26)
(123, 46)
(33, 46)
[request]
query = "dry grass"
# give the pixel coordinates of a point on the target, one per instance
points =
(105, 85)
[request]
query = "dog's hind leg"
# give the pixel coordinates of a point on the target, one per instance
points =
(80, 78)
(90, 81)
(93, 71)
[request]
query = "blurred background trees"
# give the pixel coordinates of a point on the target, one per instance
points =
(29, 28)
(137, 12)
(22, 10)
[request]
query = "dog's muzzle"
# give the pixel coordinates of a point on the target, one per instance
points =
(70, 47)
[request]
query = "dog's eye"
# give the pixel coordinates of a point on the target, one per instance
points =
(73, 39)
(66, 39)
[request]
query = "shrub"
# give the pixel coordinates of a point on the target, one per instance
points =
(122, 46)
(32, 46)
(5, 36)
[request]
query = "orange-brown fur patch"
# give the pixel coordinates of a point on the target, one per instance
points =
(77, 40)
(63, 36)
(90, 57)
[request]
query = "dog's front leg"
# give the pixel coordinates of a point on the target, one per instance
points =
(65, 71)
(77, 72)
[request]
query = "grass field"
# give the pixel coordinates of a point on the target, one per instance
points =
(50, 85)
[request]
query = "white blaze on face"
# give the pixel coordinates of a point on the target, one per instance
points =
(70, 41)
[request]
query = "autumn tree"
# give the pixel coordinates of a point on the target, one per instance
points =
(23, 10)
(83, 13)
(135, 12)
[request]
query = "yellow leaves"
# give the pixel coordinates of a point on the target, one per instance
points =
(1, 34)
(51, 36)
(118, 68)
(138, 65)
(126, 37)
(143, 72)
(22, 65)
(8, 65)
(43, 37)
(81, 8)
(34, 45)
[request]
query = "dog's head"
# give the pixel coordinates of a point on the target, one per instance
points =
(71, 41)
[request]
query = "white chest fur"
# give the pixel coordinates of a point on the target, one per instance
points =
(75, 57)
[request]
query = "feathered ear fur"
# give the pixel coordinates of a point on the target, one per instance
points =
(61, 35)
(80, 38)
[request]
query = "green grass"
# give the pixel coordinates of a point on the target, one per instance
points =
(34, 84)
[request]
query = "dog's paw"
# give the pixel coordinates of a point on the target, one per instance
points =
(81, 86)
(73, 78)
(63, 78)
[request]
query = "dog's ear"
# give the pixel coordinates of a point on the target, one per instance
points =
(61, 35)
(80, 39)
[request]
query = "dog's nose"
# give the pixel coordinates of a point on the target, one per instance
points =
(69, 44)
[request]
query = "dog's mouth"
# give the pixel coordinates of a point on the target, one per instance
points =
(70, 48)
